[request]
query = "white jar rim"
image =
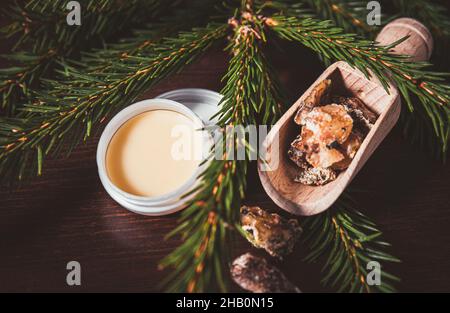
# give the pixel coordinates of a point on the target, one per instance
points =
(143, 204)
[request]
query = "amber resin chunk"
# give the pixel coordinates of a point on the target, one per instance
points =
(255, 274)
(269, 231)
(298, 157)
(316, 176)
(324, 157)
(330, 135)
(349, 149)
(305, 142)
(323, 128)
(362, 116)
(318, 95)
(329, 123)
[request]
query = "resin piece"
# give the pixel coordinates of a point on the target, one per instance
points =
(316, 176)
(324, 157)
(305, 142)
(329, 123)
(330, 135)
(362, 116)
(297, 157)
(269, 231)
(349, 149)
(324, 127)
(318, 95)
(255, 274)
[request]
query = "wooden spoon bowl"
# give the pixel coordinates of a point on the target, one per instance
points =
(277, 171)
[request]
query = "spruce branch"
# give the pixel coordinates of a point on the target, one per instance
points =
(210, 221)
(431, 13)
(411, 78)
(350, 15)
(285, 7)
(92, 6)
(148, 37)
(40, 27)
(16, 81)
(418, 130)
(345, 240)
(68, 112)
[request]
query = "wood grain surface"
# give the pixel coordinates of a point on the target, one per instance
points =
(66, 215)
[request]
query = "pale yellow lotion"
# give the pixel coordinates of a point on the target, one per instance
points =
(140, 158)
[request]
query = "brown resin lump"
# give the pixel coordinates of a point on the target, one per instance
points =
(328, 124)
(330, 135)
(255, 274)
(269, 231)
(318, 95)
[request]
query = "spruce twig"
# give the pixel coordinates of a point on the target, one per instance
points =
(41, 25)
(345, 240)
(16, 81)
(208, 223)
(350, 15)
(43, 29)
(431, 13)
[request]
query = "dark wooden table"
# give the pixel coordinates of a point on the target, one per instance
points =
(66, 215)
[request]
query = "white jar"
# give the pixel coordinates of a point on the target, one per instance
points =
(160, 205)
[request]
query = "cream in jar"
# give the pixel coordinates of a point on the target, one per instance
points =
(145, 158)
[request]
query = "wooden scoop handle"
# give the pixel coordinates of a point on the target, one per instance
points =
(419, 45)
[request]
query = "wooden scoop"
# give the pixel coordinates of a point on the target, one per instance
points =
(277, 171)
